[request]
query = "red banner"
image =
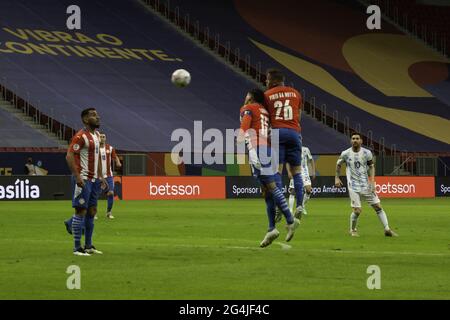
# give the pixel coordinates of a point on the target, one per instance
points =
(405, 187)
(159, 188)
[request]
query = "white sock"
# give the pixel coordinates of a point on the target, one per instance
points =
(306, 197)
(383, 218)
(353, 221)
(292, 203)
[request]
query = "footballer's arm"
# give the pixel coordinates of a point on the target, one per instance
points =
(312, 168)
(245, 125)
(70, 159)
(117, 161)
(100, 173)
(337, 180)
(371, 174)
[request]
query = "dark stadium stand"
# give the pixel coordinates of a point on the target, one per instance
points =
(138, 105)
(383, 81)
(428, 20)
(15, 134)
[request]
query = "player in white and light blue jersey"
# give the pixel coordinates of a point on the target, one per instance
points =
(360, 171)
(308, 172)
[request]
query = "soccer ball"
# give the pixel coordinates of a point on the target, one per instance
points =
(181, 78)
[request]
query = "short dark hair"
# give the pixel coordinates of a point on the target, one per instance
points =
(275, 74)
(355, 133)
(258, 95)
(85, 112)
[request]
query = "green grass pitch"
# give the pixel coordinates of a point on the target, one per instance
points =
(209, 250)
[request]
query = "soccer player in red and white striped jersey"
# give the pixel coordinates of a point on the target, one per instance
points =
(83, 159)
(108, 153)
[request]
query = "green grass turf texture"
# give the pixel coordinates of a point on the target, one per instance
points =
(209, 250)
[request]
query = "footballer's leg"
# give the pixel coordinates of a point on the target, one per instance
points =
(89, 225)
(89, 221)
(280, 200)
(263, 179)
(280, 154)
(68, 225)
(110, 197)
(298, 187)
(356, 211)
(77, 225)
(291, 192)
(293, 157)
(291, 203)
(306, 194)
(79, 203)
(272, 232)
(354, 222)
(383, 219)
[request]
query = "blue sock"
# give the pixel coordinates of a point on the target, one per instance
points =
(77, 223)
(69, 222)
(270, 208)
(298, 186)
(280, 200)
(89, 225)
(110, 203)
(279, 181)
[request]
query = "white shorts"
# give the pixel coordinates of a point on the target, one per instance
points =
(306, 180)
(355, 198)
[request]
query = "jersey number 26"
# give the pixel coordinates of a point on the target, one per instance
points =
(283, 112)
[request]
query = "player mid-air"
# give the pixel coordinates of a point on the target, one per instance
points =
(254, 131)
(83, 159)
(283, 104)
(360, 170)
(108, 153)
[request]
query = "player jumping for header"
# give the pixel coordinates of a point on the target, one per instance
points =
(254, 131)
(284, 106)
(359, 162)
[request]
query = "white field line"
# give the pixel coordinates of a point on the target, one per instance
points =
(255, 247)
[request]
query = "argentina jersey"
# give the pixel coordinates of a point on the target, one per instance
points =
(306, 157)
(357, 168)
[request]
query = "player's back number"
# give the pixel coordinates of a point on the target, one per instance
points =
(283, 111)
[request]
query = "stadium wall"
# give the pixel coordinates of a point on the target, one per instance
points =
(161, 164)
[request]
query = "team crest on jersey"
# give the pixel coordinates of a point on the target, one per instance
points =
(76, 147)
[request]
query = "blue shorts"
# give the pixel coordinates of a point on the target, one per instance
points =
(110, 183)
(289, 146)
(87, 196)
(262, 165)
